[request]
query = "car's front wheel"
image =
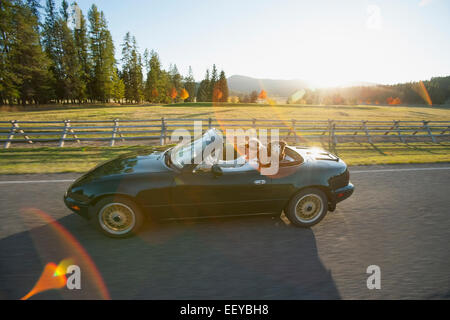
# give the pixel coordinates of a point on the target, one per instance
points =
(117, 217)
(307, 208)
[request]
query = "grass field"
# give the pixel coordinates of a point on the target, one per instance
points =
(81, 159)
(227, 111)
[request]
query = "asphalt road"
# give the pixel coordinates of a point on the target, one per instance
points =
(398, 219)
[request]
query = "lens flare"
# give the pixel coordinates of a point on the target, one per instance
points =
(423, 92)
(62, 267)
(53, 274)
(53, 277)
(49, 279)
(296, 96)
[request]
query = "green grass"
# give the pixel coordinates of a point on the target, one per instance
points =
(226, 111)
(81, 159)
(393, 153)
(57, 160)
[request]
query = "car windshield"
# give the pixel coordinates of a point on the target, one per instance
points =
(184, 154)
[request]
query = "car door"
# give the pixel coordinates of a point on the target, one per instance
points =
(284, 184)
(235, 192)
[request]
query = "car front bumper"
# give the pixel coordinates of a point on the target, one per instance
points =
(77, 207)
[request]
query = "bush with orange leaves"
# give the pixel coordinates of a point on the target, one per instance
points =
(173, 93)
(393, 101)
(262, 95)
(184, 94)
(217, 95)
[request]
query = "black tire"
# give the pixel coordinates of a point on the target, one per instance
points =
(311, 199)
(109, 208)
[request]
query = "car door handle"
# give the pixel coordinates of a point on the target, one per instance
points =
(259, 182)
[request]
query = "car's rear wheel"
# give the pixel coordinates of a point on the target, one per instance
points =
(307, 208)
(117, 217)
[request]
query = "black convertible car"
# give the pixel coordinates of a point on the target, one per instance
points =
(117, 195)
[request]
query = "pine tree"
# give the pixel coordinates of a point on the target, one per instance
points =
(175, 83)
(126, 66)
(23, 64)
(189, 85)
(165, 87)
(137, 76)
(62, 50)
(146, 57)
(34, 6)
(118, 88)
(102, 56)
(64, 11)
(50, 45)
(221, 88)
(204, 89)
(132, 70)
(82, 47)
(212, 83)
(71, 83)
(175, 77)
(158, 81)
(9, 80)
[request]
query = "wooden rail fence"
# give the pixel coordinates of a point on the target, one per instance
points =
(159, 130)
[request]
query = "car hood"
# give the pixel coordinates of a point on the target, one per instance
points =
(130, 163)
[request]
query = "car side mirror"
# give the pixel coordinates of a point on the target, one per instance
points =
(216, 170)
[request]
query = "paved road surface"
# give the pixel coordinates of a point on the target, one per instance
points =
(398, 219)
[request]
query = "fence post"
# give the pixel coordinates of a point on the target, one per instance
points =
(294, 132)
(396, 126)
(369, 138)
(425, 125)
(64, 133)
(209, 123)
(12, 132)
(332, 140)
(329, 134)
(162, 139)
(113, 140)
(335, 142)
(73, 134)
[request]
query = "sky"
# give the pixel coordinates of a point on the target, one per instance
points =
(327, 42)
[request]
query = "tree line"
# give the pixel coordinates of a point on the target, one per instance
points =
(435, 91)
(43, 60)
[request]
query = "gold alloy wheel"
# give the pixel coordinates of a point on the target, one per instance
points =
(308, 208)
(117, 218)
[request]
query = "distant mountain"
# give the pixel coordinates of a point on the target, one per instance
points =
(282, 88)
(278, 88)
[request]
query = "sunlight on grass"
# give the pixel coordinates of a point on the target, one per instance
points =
(234, 111)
